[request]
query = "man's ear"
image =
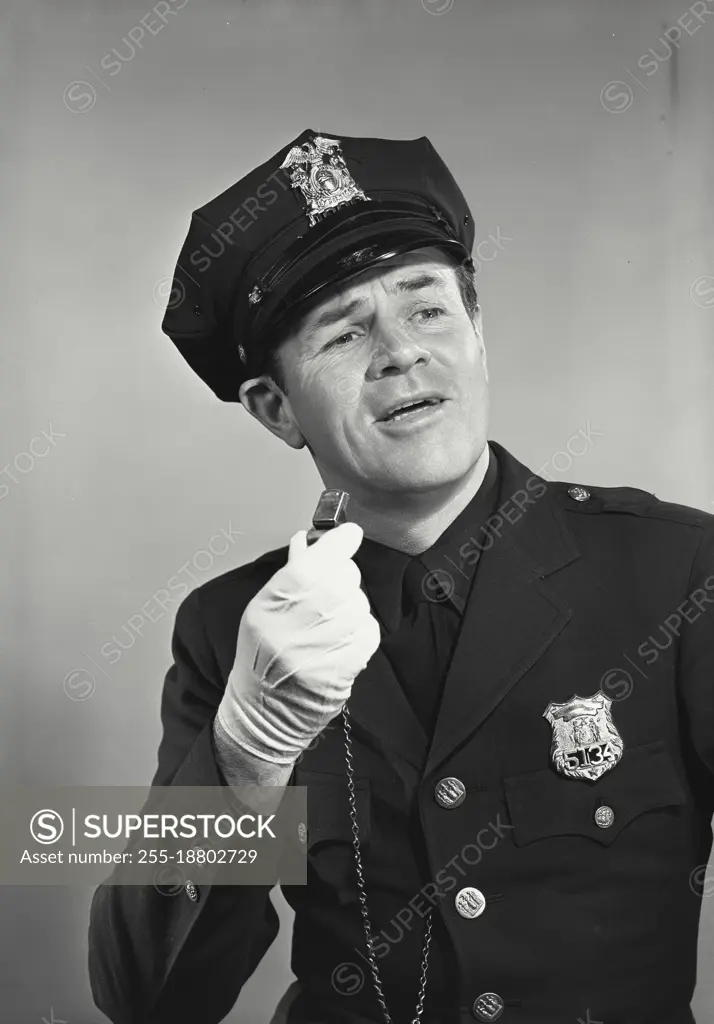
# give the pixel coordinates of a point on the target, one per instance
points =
(478, 329)
(264, 400)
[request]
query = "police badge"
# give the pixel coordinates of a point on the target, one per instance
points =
(586, 742)
(319, 170)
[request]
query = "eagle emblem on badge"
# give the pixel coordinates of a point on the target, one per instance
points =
(318, 169)
(586, 742)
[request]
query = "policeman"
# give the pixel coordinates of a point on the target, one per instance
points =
(498, 688)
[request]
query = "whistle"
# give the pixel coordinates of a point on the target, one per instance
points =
(331, 511)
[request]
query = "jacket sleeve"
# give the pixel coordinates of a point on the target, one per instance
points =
(160, 959)
(696, 658)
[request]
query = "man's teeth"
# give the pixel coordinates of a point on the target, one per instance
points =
(403, 410)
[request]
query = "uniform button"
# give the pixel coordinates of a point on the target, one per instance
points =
(579, 493)
(604, 816)
(192, 891)
(488, 1006)
(450, 792)
(470, 902)
(302, 832)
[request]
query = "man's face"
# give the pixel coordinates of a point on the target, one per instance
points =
(386, 337)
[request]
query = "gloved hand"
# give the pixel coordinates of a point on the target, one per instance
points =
(302, 641)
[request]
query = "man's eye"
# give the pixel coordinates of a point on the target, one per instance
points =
(342, 339)
(430, 313)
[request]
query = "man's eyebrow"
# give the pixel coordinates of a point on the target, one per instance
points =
(333, 316)
(415, 283)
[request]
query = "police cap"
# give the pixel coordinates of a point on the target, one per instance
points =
(324, 208)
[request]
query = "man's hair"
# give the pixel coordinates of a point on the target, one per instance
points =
(465, 279)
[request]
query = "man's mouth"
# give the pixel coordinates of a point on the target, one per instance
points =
(409, 408)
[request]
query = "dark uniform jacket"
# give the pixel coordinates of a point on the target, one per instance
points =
(592, 886)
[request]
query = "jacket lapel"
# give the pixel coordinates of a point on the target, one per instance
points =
(512, 616)
(378, 704)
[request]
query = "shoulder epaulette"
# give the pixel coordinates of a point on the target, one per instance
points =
(630, 500)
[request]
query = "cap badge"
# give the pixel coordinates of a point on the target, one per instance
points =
(586, 742)
(319, 170)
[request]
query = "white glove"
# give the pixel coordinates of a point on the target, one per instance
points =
(302, 641)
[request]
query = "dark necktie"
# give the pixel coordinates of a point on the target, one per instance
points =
(420, 649)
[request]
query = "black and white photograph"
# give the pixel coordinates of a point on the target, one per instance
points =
(358, 512)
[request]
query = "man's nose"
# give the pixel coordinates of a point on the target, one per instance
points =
(396, 351)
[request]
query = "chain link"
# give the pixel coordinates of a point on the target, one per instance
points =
(363, 894)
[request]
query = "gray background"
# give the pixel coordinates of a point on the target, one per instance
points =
(595, 311)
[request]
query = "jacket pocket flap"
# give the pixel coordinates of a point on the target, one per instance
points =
(544, 803)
